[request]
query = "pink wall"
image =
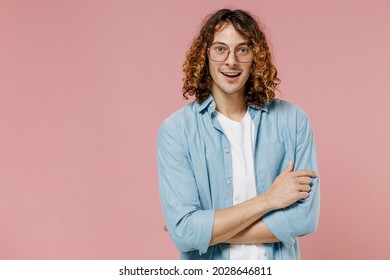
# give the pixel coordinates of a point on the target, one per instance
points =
(84, 86)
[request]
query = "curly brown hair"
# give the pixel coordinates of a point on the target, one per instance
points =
(262, 82)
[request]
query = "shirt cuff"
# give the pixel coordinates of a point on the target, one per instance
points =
(277, 223)
(204, 229)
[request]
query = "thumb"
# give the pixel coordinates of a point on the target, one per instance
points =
(288, 169)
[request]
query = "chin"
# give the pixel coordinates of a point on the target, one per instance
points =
(232, 91)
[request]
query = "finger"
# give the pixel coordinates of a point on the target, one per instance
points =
(288, 169)
(304, 195)
(304, 188)
(307, 173)
(304, 180)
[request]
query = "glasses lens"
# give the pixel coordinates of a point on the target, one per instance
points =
(244, 53)
(219, 52)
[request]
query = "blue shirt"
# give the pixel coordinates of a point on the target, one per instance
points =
(195, 175)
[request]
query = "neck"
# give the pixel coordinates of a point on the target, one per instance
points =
(232, 106)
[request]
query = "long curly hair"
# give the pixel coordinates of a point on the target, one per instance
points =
(262, 82)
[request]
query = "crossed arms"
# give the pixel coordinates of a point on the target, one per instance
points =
(241, 223)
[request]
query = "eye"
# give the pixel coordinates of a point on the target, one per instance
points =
(243, 50)
(220, 49)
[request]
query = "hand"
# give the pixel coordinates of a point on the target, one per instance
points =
(289, 187)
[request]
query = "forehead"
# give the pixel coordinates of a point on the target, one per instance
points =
(227, 33)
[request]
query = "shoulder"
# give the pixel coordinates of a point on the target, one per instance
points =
(283, 106)
(179, 119)
(286, 110)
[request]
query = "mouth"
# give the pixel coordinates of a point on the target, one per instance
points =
(233, 74)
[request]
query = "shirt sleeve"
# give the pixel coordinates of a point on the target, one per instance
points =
(301, 218)
(189, 226)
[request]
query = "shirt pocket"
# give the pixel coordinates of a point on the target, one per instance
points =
(270, 161)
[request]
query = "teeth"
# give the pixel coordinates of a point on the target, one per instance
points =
(231, 74)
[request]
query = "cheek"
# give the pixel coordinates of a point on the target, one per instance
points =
(213, 70)
(248, 71)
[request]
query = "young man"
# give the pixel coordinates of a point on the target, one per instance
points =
(237, 167)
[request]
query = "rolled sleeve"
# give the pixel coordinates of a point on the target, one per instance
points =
(189, 225)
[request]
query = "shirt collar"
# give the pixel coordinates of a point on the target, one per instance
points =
(209, 102)
(264, 108)
(205, 104)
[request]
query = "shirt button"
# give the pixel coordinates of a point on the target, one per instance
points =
(227, 151)
(229, 181)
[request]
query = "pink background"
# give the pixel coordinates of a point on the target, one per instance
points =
(84, 86)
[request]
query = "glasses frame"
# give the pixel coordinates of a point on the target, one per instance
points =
(228, 53)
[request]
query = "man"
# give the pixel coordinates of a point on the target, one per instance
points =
(237, 167)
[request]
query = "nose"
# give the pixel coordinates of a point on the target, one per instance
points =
(231, 59)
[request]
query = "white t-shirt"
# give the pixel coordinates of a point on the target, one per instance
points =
(241, 138)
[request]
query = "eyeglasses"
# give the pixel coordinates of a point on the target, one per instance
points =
(219, 52)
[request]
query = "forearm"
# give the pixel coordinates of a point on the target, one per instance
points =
(255, 233)
(286, 189)
(232, 221)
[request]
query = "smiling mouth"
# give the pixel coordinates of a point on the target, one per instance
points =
(231, 75)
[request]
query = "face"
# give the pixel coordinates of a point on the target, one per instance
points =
(229, 77)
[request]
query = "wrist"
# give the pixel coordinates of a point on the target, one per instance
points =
(268, 202)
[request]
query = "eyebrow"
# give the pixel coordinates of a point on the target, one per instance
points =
(240, 44)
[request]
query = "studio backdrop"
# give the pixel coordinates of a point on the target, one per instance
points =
(84, 86)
